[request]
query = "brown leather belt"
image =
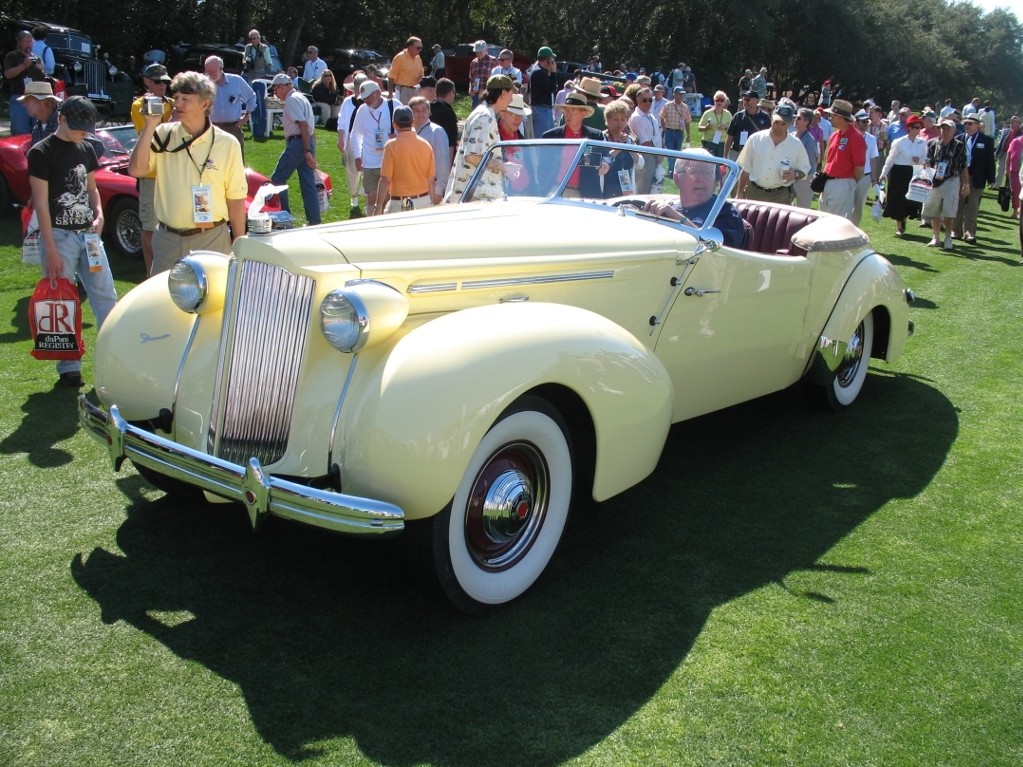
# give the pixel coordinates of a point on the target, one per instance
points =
(192, 232)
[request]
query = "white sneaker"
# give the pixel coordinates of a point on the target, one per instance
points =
(948, 243)
(933, 243)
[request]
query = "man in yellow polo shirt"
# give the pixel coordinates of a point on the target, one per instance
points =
(408, 174)
(406, 71)
(200, 176)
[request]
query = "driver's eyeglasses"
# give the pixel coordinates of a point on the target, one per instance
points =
(697, 172)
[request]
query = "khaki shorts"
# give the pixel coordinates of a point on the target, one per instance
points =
(147, 204)
(370, 179)
(943, 201)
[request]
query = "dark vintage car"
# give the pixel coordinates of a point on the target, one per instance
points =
(118, 191)
(456, 63)
(343, 61)
(79, 64)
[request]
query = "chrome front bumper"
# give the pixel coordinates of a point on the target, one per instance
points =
(260, 493)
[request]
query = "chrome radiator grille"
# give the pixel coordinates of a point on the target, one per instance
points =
(261, 353)
(95, 76)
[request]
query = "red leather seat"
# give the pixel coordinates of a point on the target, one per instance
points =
(773, 227)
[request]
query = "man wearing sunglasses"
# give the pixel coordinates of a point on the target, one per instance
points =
(406, 71)
(750, 119)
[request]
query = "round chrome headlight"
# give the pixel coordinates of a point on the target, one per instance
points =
(344, 320)
(188, 285)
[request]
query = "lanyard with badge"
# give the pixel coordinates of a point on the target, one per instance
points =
(379, 137)
(202, 194)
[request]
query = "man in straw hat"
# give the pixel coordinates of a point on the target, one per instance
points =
(591, 88)
(583, 181)
(41, 105)
(844, 161)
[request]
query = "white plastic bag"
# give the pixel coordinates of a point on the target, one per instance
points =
(30, 248)
(876, 210)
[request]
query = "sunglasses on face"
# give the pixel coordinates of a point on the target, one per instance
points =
(645, 101)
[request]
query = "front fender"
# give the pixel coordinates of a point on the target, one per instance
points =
(872, 286)
(414, 417)
(139, 350)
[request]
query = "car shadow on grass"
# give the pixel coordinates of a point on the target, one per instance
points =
(327, 638)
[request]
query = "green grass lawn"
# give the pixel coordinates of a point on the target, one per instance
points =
(789, 588)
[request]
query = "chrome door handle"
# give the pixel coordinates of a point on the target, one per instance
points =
(698, 292)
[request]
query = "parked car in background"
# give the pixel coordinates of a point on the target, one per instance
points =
(343, 61)
(526, 354)
(118, 191)
(78, 63)
(456, 64)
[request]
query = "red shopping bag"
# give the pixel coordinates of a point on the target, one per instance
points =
(55, 319)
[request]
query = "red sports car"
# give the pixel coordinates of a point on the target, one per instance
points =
(117, 189)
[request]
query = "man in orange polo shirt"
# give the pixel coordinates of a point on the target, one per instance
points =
(406, 71)
(409, 171)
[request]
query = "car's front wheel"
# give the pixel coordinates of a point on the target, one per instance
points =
(124, 227)
(507, 516)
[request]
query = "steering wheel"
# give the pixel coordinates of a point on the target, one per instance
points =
(629, 202)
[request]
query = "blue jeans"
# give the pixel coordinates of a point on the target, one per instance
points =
(543, 120)
(672, 140)
(292, 159)
(257, 120)
(20, 124)
(100, 285)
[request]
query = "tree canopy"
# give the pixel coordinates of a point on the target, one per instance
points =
(886, 49)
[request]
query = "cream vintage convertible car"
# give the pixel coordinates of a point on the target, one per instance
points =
(461, 374)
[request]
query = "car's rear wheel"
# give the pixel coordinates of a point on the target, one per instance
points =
(506, 519)
(124, 227)
(845, 386)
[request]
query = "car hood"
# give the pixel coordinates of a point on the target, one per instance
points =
(484, 232)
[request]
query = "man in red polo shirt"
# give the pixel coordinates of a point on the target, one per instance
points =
(845, 159)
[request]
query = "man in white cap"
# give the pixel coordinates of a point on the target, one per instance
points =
(299, 147)
(370, 131)
(345, 120)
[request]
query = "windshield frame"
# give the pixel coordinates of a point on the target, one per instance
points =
(556, 193)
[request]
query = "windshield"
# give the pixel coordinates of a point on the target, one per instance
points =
(604, 173)
(70, 41)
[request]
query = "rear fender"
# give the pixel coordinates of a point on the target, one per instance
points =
(873, 286)
(416, 411)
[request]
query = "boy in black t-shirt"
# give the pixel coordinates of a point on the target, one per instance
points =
(62, 172)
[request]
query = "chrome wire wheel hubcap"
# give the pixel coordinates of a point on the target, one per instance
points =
(851, 360)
